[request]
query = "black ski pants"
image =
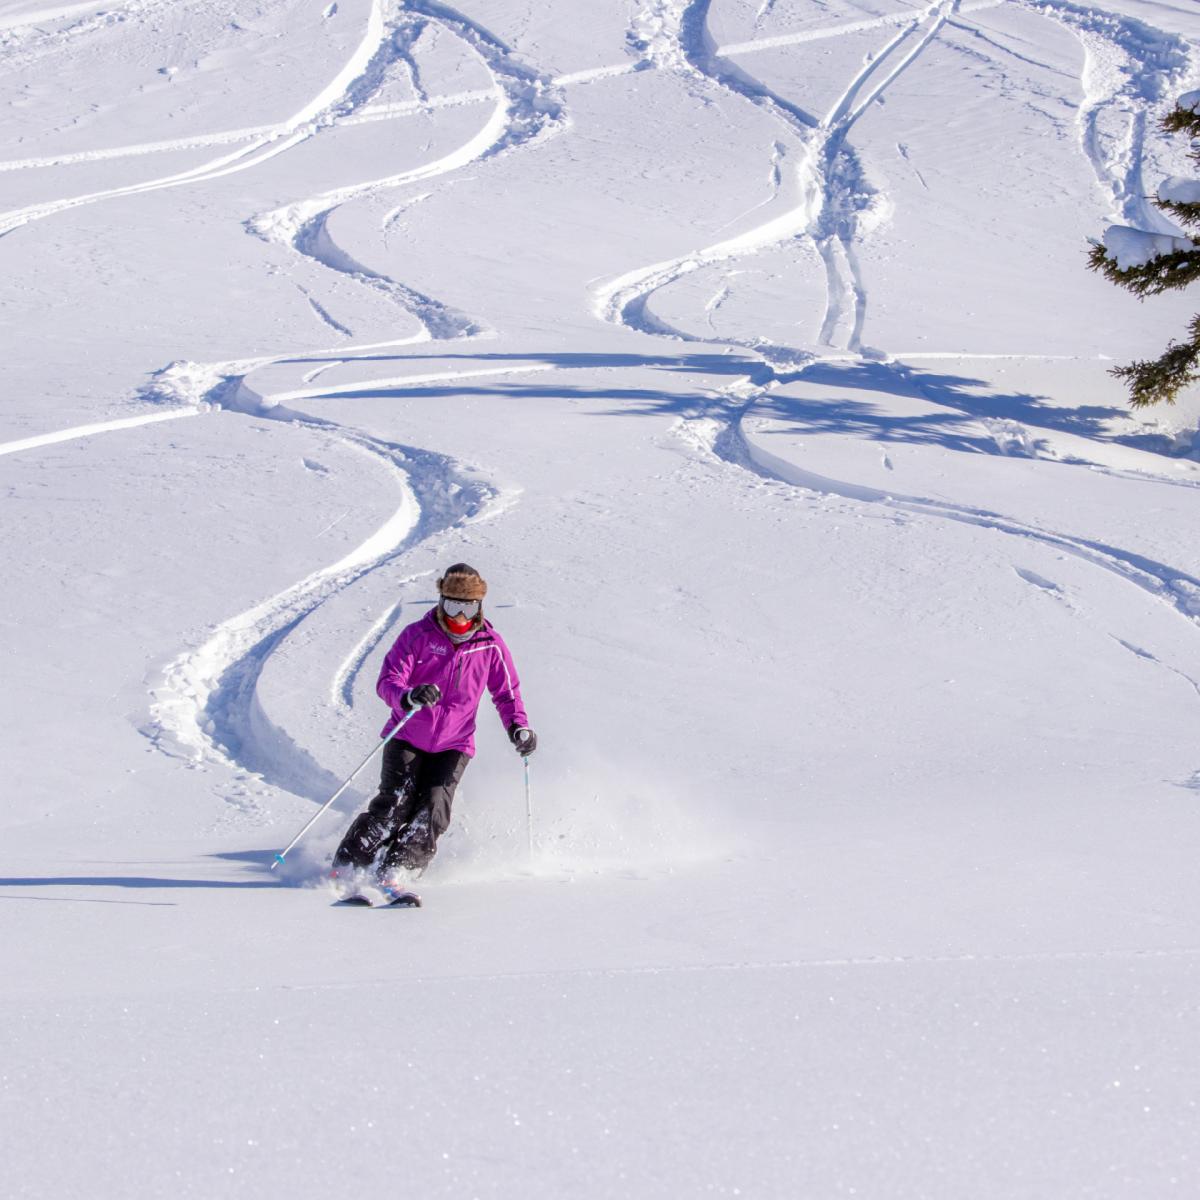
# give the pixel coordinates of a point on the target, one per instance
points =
(416, 790)
(413, 780)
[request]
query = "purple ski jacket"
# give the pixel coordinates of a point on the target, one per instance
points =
(424, 653)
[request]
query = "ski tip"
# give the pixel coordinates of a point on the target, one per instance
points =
(400, 897)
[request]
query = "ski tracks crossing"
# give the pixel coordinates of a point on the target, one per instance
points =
(527, 108)
(205, 702)
(335, 99)
(1127, 67)
(205, 706)
(829, 188)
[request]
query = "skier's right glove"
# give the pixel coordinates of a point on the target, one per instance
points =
(524, 739)
(421, 696)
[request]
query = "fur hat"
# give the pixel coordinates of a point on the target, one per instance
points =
(461, 582)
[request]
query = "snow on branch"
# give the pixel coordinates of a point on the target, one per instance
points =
(1178, 190)
(1128, 248)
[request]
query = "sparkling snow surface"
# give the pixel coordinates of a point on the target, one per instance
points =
(747, 347)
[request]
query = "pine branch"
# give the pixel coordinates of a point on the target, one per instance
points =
(1187, 214)
(1147, 264)
(1159, 380)
(1174, 270)
(1181, 120)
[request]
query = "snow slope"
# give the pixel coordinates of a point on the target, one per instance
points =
(748, 350)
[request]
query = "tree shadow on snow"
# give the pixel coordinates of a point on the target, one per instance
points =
(713, 364)
(962, 404)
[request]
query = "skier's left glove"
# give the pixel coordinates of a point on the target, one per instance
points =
(524, 739)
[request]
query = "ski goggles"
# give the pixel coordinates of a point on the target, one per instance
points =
(460, 608)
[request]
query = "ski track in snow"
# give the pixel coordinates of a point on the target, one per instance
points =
(833, 196)
(346, 91)
(341, 690)
(384, 112)
(718, 433)
(205, 707)
(79, 431)
(725, 438)
(832, 187)
(528, 107)
(42, 15)
(1130, 69)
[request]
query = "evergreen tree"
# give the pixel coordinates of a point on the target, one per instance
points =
(1149, 263)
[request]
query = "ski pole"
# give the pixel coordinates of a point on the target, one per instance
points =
(317, 815)
(528, 809)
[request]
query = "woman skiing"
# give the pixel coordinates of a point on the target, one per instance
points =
(436, 670)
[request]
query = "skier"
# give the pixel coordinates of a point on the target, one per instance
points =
(437, 670)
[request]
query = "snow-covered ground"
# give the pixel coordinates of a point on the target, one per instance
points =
(747, 348)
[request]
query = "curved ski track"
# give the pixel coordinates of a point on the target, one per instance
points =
(346, 91)
(1129, 69)
(831, 182)
(528, 108)
(728, 442)
(831, 187)
(205, 707)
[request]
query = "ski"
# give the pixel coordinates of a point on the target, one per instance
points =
(383, 898)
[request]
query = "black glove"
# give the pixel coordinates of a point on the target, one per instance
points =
(419, 697)
(524, 739)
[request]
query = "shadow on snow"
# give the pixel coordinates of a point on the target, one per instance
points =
(261, 858)
(962, 404)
